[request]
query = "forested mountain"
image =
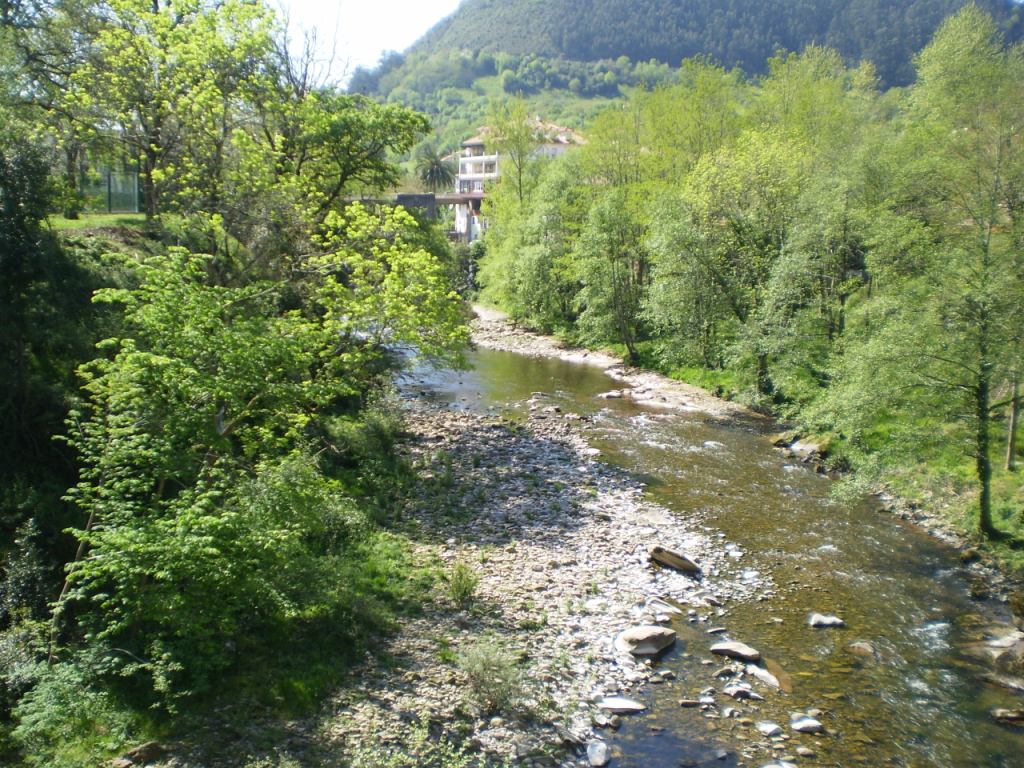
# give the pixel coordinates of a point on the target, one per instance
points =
(743, 33)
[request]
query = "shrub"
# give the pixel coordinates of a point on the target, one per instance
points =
(495, 679)
(462, 584)
(67, 721)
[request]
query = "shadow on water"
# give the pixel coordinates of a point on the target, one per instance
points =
(917, 699)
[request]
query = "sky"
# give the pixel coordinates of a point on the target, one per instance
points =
(359, 31)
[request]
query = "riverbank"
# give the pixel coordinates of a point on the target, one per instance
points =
(492, 330)
(544, 551)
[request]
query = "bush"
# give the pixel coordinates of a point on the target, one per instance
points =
(462, 584)
(495, 679)
(68, 721)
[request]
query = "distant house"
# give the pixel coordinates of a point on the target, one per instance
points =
(477, 166)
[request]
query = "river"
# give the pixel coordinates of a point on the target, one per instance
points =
(915, 698)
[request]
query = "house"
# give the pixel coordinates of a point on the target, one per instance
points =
(478, 165)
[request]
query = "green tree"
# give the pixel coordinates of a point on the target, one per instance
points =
(515, 138)
(946, 314)
(207, 519)
(612, 267)
(435, 170)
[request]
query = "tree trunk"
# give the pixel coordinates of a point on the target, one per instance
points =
(764, 382)
(1011, 436)
(983, 463)
(73, 201)
(149, 185)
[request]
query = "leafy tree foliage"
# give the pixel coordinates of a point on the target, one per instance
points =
(844, 257)
(219, 443)
(434, 170)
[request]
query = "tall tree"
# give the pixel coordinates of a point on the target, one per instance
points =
(514, 135)
(948, 275)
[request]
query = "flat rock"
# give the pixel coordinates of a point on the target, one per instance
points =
(674, 560)
(646, 640)
(823, 621)
(598, 754)
(661, 606)
(741, 692)
(861, 648)
(735, 650)
(620, 705)
(806, 724)
(1005, 681)
(763, 675)
(769, 729)
(1008, 716)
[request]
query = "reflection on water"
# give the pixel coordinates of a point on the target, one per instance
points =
(917, 700)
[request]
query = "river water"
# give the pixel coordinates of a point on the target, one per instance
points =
(920, 700)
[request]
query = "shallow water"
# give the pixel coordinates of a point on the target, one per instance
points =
(919, 702)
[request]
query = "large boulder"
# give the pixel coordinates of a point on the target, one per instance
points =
(646, 640)
(734, 650)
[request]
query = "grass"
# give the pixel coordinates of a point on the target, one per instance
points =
(98, 221)
(722, 383)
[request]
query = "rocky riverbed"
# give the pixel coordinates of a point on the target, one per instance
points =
(560, 545)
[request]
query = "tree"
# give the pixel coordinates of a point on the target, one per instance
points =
(207, 518)
(948, 225)
(514, 136)
(164, 80)
(435, 170)
(612, 268)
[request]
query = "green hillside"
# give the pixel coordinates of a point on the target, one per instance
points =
(743, 33)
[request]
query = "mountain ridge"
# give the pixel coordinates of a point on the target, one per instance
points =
(741, 33)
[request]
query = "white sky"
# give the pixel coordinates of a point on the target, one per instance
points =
(359, 31)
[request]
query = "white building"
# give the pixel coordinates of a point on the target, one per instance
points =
(477, 166)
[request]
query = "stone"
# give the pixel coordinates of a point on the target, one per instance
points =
(1004, 681)
(763, 675)
(669, 559)
(734, 650)
(620, 705)
(661, 606)
(646, 640)
(769, 729)
(805, 724)
(1008, 716)
(742, 692)
(806, 752)
(598, 754)
(149, 752)
(823, 621)
(861, 648)
(689, 703)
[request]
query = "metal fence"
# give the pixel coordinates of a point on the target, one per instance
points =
(111, 192)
